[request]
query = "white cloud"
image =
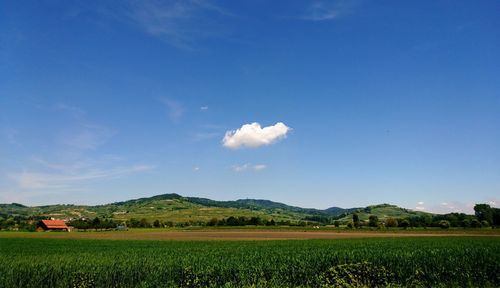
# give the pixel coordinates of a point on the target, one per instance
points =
(253, 135)
(452, 206)
(249, 167)
(196, 168)
(420, 206)
(259, 167)
(203, 108)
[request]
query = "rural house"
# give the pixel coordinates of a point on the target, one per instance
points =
(52, 225)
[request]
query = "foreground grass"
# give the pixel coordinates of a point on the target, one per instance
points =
(437, 261)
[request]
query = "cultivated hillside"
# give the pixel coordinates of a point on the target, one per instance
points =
(176, 208)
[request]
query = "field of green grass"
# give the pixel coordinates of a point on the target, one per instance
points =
(400, 262)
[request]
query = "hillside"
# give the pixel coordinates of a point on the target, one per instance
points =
(382, 211)
(176, 208)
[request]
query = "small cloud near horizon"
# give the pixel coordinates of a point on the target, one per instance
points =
(249, 167)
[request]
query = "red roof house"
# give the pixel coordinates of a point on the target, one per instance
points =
(52, 225)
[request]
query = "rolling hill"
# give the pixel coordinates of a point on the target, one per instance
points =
(176, 208)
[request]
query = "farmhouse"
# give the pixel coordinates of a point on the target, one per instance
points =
(52, 225)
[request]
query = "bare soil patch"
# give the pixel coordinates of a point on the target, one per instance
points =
(232, 235)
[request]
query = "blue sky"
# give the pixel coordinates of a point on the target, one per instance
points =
(357, 102)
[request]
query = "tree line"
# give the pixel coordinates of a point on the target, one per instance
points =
(484, 216)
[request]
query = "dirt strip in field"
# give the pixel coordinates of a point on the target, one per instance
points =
(227, 235)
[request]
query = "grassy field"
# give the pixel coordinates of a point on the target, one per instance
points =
(405, 261)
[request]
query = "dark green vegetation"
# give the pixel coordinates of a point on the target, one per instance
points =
(172, 210)
(415, 262)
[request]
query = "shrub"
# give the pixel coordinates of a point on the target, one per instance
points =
(475, 223)
(362, 274)
(391, 222)
(404, 224)
(373, 221)
(444, 224)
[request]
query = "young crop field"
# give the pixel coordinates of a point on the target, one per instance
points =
(368, 262)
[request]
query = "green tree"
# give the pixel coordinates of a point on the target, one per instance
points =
(444, 224)
(475, 223)
(157, 223)
(404, 223)
(213, 222)
(255, 221)
(391, 222)
(484, 212)
(485, 223)
(144, 223)
(355, 220)
(271, 223)
(232, 221)
(373, 221)
(465, 223)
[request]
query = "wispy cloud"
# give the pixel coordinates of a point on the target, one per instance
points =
(44, 181)
(82, 134)
(208, 131)
(175, 109)
(249, 167)
(72, 164)
(10, 135)
(74, 111)
(181, 23)
(200, 136)
(87, 137)
(327, 10)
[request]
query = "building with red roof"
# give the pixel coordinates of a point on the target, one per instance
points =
(52, 225)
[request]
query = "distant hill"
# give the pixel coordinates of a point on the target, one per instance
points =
(383, 211)
(176, 208)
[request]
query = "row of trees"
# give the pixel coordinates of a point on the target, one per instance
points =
(373, 221)
(95, 224)
(485, 216)
(228, 221)
(19, 222)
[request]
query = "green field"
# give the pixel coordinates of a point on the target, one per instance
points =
(407, 262)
